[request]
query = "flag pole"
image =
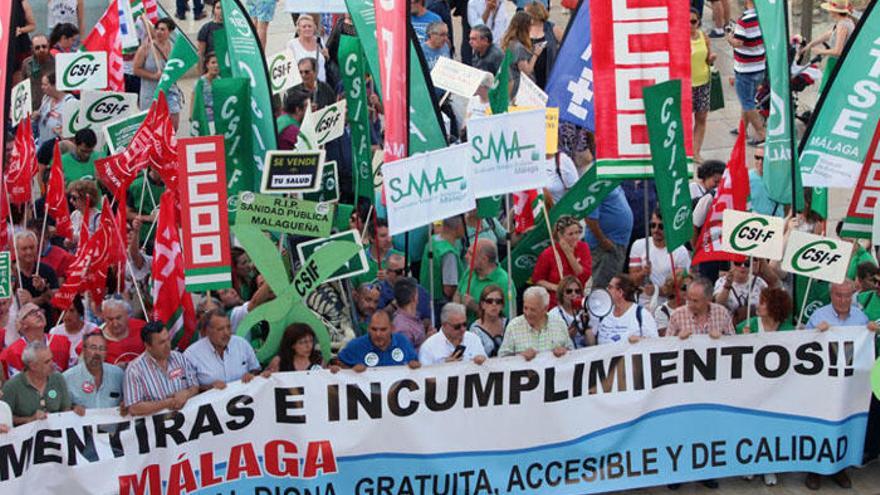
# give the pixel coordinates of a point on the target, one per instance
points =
(14, 244)
(473, 255)
(511, 301)
(431, 270)
(42, 236)
(546, 216)
(749, 289)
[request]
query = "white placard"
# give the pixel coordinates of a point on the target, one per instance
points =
(81, 70)
(458, 78)
(751, 234)
(22, 102)
(507, 153)
(321, 127)
(318, 6)
(100, 108)
(529, 94)
(283, 71)
(814, 256)
(427, 187)
(70, 122)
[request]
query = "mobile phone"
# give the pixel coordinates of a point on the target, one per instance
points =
(459, 351)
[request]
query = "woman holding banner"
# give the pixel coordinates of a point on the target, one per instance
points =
(567, 255)
(771, 315)
(491, 323)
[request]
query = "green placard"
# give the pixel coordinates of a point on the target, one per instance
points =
(666, 137)
(121, 132)
(5, 275)
(356, 265)
(287, 215)
(329, 192)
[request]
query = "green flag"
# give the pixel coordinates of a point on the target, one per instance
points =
(232, 120)
(354, 70)
(779, 152)
(666, 138)
(499, 95)
(182, 57)
(819, 203)
(247, 60)
(198, 124)
(579, 202)
(222, 52)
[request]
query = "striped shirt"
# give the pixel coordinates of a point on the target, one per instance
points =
(145, 380)
(683, 320)
(749, 57)
(520, 336)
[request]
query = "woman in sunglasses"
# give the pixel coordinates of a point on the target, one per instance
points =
(491, 323)
(571, 251)
(570, 294)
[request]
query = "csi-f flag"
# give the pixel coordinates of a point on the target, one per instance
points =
(354, 73)
(182, 57)
(570, 85)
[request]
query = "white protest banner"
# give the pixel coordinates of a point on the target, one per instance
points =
(814, 256)
(70, 122)
(507, 152)
(319, 6)
(427, 187)
(283, 71)
(752, 234)
(22, 104)
(458, 78)
(655, 417)
(81, 70)
(320, 127)
(99, 108)
(530, 94)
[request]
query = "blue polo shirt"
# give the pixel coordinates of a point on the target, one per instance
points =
(827, 313)
(362, 351)
(238, 358)
(615, 219)
(81, 385)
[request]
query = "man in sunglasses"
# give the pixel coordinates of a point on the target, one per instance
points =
(394, 273)
(38, 65)
(650, 266)
(453, 342)
(39, 389)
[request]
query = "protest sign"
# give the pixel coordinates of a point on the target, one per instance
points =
(643, 44)
(70, 122)
(119, 133)
(322, 6)
(846, 116)
(101, 107)
(354, 72)
(329, 192)
(427, 187)
(283, 71)
(670, 165)
(204, 212)
(507, 152)
(81, 70)
(529, 94)
(287, 215)
(320, 127)
(5, 275)
(356, 265)
(570, 84)
(21, 101)
(458, 78)
(551, 123)
(817, 257)
(859, 216)
(656, 417)
(292, 171)
(751, 234)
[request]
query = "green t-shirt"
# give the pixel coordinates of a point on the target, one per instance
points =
(284, 120)
(752, 323)
(442, 247)
(497, 277)
(860, 256)
(24, 399)
(75, 169)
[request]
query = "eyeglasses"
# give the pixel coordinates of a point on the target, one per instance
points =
(41, 47)
(759, 158)
(574, 291)
(457, 326)
(739, 263)
(396, 271)
(34, 312)
(695, 21)
(493, 300)
(658, 226)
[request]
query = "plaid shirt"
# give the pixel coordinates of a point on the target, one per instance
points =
(682, 320)
(520, 336)
(146, 381)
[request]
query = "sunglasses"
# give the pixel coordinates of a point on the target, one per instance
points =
(574, 291)
(457, 326)
(695, 21)
(493, 300)
(759, 158)
(396, 271)
(658, 226)
(41, 47)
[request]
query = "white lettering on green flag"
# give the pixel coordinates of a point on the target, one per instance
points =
(182, 57)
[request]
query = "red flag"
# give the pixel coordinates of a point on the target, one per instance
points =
(392, 22)
(523, 210)
(4, 216)
(56, 200)
(105, 38)
(172, 305)
(22, 164)
(151, 9)
(733, 192)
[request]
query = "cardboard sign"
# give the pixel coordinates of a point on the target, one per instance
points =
(283, 71)
(507, 152)
(427, 187)
(288, 215)
(119, 133)
(81, 70)
(458, 78)
(5, 275)
(329, 192)
(22, 103)
(354, 266)
(530, 94)
(321, 127)
(99, 108)
(292, 171)
(204, 215)
(821, 258)
(752, 234)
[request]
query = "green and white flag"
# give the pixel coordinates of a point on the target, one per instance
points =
(5, 275)
(232, 120)
(248, 61)
(779, 144)
(666, 137)
(182, 57)
(199, 125)
(222, 52)
(354, 71)
(836, 144)
(499, 101)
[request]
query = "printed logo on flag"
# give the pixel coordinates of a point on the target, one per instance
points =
(5, 275)
(81, 70)
(21, 101)
(356, 265)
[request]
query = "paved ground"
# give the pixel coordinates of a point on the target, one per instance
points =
(718, 144)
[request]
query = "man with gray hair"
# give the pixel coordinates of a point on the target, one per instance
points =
(533, 331)
(38, 283)
(486, 272)
(31, 325)
(453, 342)
(122, 332)
(700, 315)
(39, 389)
(436, 43)
(487, 55)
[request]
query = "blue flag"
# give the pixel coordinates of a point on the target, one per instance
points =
(570, 86)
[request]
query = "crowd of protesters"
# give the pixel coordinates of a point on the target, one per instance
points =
(402, 311)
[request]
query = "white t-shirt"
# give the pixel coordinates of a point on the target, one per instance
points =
(560, 181)
(437, 348)
(661, 266)
(738, 294)
(618, 328)
(299, 53)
